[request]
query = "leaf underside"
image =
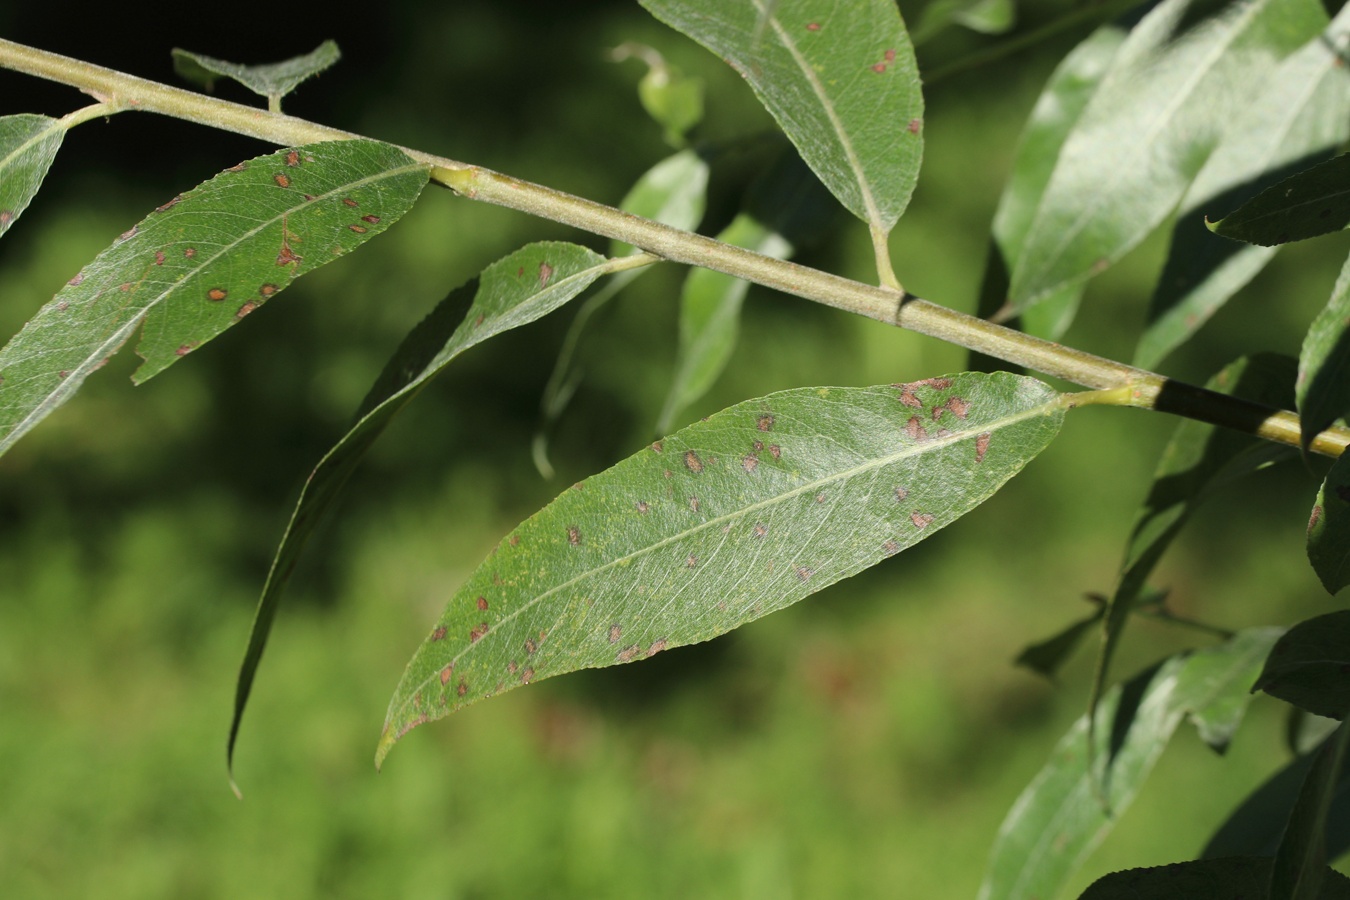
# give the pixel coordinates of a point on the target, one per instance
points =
(1312, 203)
(723, 522)
(272, 80)
(1206, 879)
(28, 144)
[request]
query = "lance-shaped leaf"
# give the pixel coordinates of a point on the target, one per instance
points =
(1048, 656)
(1301, 114)
(202, 262)
(1173, 89)
(1060, 818)
(514, 291)
(710, 315)
(1301, 863)
(1206, 879)
(273, 80)
(1309, 666)
(841, 80)
(720, 523)
(28, 144)
(1329, 528)
(1323, 387)
(1312, 203)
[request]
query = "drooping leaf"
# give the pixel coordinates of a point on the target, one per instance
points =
(514, 291)
(841, 81)
(1207, 879)
(1059, 818)
(1329, 528)
(28, 144)
(1048, 656)
(1172, 90)
(1301, 863)
(273, 80)
(1309, 666)
(710, 313)
(1199, 460)
(721, 523)
(202, 262)
(1323, 387)
(1301, 114)
(672, 98)
(1312, 203)
(983, 16)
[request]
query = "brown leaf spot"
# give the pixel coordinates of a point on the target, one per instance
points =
(545, 273)
(514, 540)
(293, 159)
(656, 447)
(482, 603)
(914, 428)
(573, 535)
(190, 252)
(803, 573)
(439, 634)
(657, 646)
(79, 277)
(692, 462)
(643, 506)
(287, 256)
(309, 198)
(63, 305)
(761, 529)
(627, 653)
(820, 498)
(373, 220)
(879, 67)
(170, 205)
(691, 562)
(901, 493)
(348, 201)
(530, 647)
(1315, 518)
(981, 446)
(615, 632)
(957, 406)
(217, 294)
(463, 688)
(6, 216)
(694, 504)
(359, 229)
(775, 451)
(159, 257)
(813, 26)
(908, 398)
(248, 307)
(891, 548)
(445, 675)
(477, 632)
(128, 234)
(765, 423)
(281, 180)
(239, 168)
(526, 676)
(512, 666)
(125, 287)
(914, 126)
(920, 520)
(750, 462)
(184, 350)
(937, 384)
(268, 289)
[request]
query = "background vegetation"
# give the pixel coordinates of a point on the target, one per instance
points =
(866, 742)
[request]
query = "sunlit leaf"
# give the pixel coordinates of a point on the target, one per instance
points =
(514, 291)
(1309, 666)
(1312, 203)
(1301, 114)
(721, 523)
(1208, 879)
(841, 80)
(1060, 817)
(710, 314)
(28, 144)
(1172, 90)
(202, 262)
(1301, 863)
(273, 80)
(1323, 387)
(1329, 528)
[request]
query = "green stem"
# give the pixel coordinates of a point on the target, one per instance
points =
(1138, 387)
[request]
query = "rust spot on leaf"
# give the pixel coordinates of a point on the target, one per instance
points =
(526, 676)
(643, 506)
(765, 423)
(348, 201)
(804, 574)
(813, 26)
(775, 451)
(750, 462)
(920, 520)
(820, 498)
(891, 548)
(657, 646)
(238, 168)
(217, 294)
(128, 234)
(281, 180)
(957, 406)
(914, 126)
(190, 252)
(691, 562)
(573, 535)
(439, 634)
(1315, 518)
(627, 653)
(901, 493)
(615, 632)
(268, 289)
(694, 504)
(477, 632)
(293, 159)
(445, 675)
(761, 529)
(656, 447)
(359, 229)
(512, 666)
(482, 603)
(879, 67)
(79, 277)
(287, 256)
(692, 462)
(373, 220)
(545, 273)
(514, 540)
(159, 257)
(914, 428)
(981, 446)
(248, 307)
(170, 205)
(463, 688)
(530, 647)
(184, 349)
(6, 216)
(889, 56)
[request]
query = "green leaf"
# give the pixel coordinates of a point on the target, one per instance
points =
(710, 312)
(273, 81)
(201, 263)
(1323, 387)
(1207, 879)
(983, 16)
(1301, 863)
(1172, 90)
(841, 80)
(669, 96)
(1329, 528)
(1059, 818)
(721, 523)
(28, 144)
(1048, 656)
(1301, 114)
(1312, 203)
(1309, 666)
(514, 291)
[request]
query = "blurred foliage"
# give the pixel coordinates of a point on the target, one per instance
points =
(864, 743)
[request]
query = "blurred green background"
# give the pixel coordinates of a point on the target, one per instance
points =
(865, 743)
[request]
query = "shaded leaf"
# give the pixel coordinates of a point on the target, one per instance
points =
(669, 96)
(273, 80)
(721, 523)
(983, 16)
(514, 291)
(1310, 666)
(841, 81)
(1172, 89)
(1208, 879)
(202, 262)
(1060, 818)
(710, 313)
(1312, 203)
(1329, 528)
(28, 144)
(1301, 114)
(1301, 863)
(1323, 387)
(1047, 656)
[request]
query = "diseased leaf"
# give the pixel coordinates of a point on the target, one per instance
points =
(1301, 863)
(514, 291)
(710, 313)
(1059, 818)
(1207, 879)
(841, 80)
(202, 262)
(1329, 528)
(721, 523)
(1323, 387)
(1309, 666)
(28, 144)
(1301, 114)
(1173, 88)
(273, 80)
(1312, 203)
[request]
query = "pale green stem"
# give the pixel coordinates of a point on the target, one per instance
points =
(881, 244)
(1140, 388)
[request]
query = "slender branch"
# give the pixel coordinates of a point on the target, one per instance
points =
(1145, 389)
